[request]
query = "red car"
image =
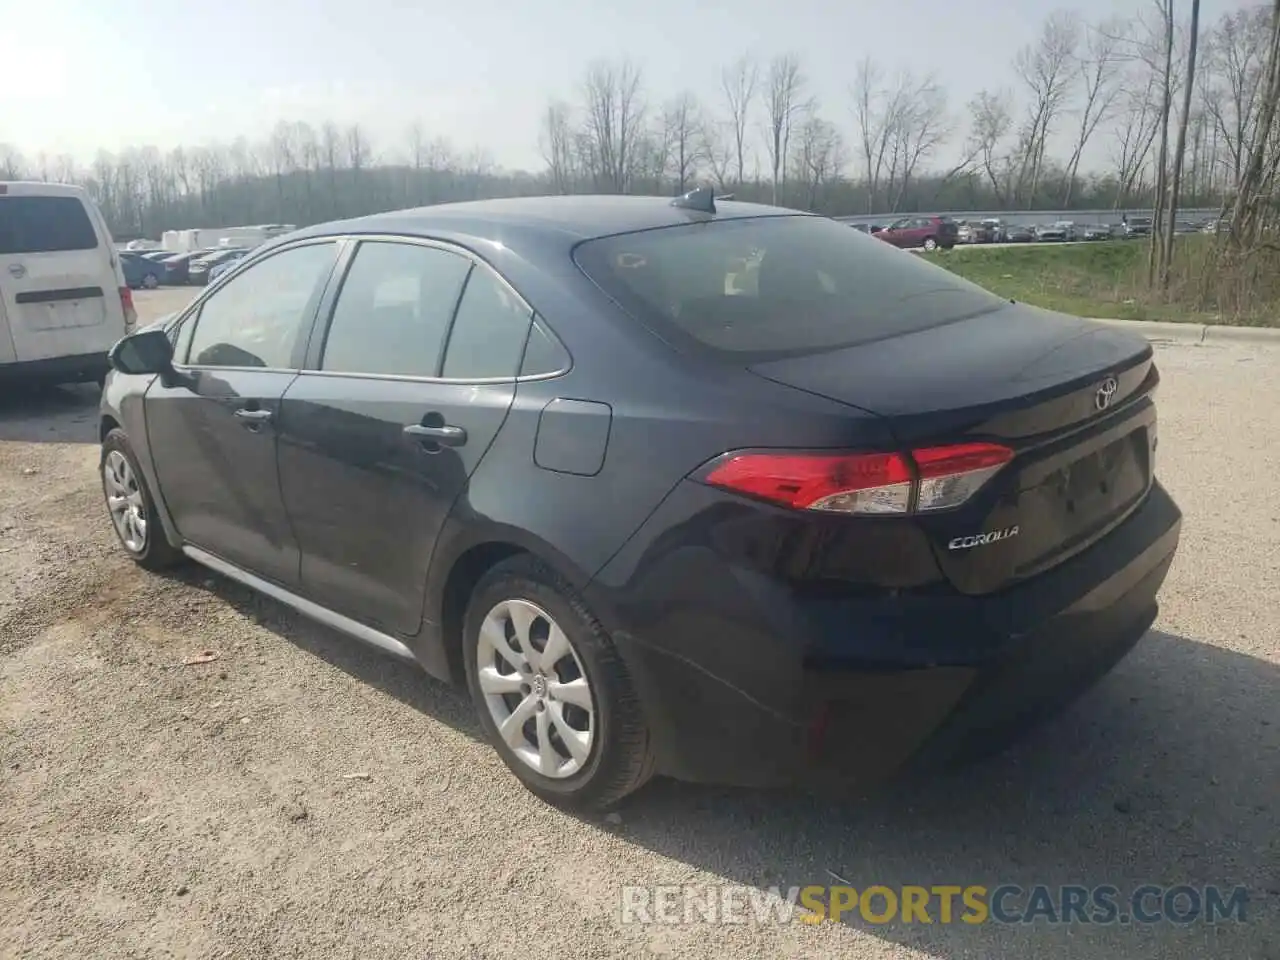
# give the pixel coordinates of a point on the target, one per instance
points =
(929, 233)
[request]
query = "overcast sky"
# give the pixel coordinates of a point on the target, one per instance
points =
(80, 75)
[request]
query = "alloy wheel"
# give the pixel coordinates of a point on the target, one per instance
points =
(124, 500)
(536, 689)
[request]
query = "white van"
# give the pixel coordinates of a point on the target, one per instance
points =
(63, 297)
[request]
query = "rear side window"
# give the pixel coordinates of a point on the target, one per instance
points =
(44, 225)
(393, 310)
(767, 287)
(489, 331)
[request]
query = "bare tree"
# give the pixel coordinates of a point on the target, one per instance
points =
(614, 123)
(682, 123)
(557, 145)
(1045, 69)
(784, 98)
(875, 110)
(990, 123)
(1099, 72)
(1180, 147)
(739, 82)
(1137, 123)
(12, 165)
(1252, 198)
(1235, 63)
(818, 155)
(917, 127)
(1162, 158)
(717, 150)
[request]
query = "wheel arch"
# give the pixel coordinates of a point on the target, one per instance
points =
(106, 424)
(455, 572)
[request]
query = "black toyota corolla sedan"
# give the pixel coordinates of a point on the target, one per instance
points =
(700, 488)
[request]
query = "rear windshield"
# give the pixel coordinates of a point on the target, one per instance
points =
(768, 287)
(44, 225)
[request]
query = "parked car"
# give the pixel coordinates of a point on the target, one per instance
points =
(157, 255)
(198, 270)
(177, 267)
(1095, 231)
(64, 299)
(1134, 227)
(1216, 227)
(140, 272)
(1020, 233)
(926, 233)
(1060, 232)
(226, 266)
(967, 232)
(870, 509)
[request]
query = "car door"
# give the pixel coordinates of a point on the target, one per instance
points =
(895, 232)
(380, 435)
(211, 428)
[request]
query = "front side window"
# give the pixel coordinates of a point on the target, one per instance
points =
(759, 288)
(489, 331)
(393, 310)
(44, 225)
(256, 318)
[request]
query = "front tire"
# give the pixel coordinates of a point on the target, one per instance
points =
(150, 281)
(551, 691)
(131, 507)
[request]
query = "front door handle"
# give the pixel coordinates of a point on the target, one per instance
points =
(253, 415)
(446, 435)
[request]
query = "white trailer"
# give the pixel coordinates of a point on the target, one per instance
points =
(205, 238)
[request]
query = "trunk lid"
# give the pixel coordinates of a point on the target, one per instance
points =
(1070, 397)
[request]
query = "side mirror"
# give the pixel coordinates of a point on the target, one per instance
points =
(147, 351)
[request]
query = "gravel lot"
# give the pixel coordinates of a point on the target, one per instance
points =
(302, 797)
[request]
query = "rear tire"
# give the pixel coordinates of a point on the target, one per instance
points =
(150, 281)
(569, 756)
(131, 507)
(930, 244)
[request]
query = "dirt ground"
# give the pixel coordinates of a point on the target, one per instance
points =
(300, 796)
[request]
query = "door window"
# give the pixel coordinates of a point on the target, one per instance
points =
(489, 331)
(394, 309)
(255, 318)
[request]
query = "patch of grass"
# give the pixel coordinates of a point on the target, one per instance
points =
(1108, 279)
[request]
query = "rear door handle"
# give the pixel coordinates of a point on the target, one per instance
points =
(253, 416)
(447, 435)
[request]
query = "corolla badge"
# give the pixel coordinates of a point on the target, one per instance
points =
(982, 539)
(1106, 393)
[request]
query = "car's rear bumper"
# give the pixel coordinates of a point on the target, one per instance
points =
(877, 687)
(74, 369)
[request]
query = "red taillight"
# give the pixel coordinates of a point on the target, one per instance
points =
(933, 478)
(126, 302)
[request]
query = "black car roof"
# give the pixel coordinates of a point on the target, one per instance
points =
(556, 220)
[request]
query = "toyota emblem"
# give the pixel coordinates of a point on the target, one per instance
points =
(1106, 393)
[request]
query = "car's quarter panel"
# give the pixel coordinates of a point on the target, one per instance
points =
(218, 472)
(365, 498)
(734, 627)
